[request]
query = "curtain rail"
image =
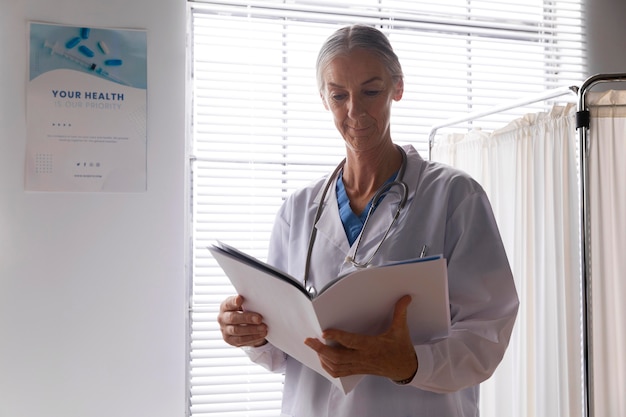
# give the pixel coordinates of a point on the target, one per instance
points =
(546, 95)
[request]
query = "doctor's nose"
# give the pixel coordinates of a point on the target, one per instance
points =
(355, 108)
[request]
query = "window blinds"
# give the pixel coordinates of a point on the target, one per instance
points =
(259, 130)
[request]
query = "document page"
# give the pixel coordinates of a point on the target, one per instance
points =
(361, 302)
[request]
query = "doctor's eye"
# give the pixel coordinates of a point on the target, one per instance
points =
(371, 93)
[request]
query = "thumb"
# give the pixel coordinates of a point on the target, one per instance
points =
(400, 312)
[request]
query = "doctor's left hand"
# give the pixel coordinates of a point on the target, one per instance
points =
(389, 354)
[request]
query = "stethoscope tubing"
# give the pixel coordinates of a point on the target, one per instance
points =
(375, 200)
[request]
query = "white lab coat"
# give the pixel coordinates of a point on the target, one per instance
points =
(450, 213)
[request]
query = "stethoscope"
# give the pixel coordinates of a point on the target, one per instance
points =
(399, 181)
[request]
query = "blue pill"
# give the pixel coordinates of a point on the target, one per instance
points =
(84, 33)
(86, 51)
(113, 62)
(72, 42)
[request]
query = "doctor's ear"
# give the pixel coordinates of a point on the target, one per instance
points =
(399, 89)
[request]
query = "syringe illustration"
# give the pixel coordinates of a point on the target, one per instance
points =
(56, 48)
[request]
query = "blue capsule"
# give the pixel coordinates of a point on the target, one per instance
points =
(72, 42)
(113, 62)
(84, 33)
(86, 51)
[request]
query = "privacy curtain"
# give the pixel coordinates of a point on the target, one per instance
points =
(607, 238)
(530, 172)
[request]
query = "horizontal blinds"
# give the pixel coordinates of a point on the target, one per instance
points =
(259, 130)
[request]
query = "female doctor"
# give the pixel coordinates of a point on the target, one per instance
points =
(329, 228)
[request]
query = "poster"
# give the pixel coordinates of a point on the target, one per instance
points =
(86, 109)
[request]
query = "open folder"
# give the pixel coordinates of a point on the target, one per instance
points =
(360, 302)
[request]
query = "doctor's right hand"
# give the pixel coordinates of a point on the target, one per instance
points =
(241, 328)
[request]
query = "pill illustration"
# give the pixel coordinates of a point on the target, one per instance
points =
(86, 51)
(72, 42)
(113, 62)
(84, 33)
(103, 47)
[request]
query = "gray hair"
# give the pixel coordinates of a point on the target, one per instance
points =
(353, 37)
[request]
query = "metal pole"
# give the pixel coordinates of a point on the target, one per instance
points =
(582, 124)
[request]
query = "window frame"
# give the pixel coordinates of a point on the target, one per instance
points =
(485, 29)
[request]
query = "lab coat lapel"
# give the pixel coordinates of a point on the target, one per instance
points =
(329, 224)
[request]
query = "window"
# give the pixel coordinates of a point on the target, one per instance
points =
(259, 130)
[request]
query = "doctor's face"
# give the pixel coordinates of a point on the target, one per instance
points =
(359, 90)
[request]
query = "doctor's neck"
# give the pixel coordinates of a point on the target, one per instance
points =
(365, 171)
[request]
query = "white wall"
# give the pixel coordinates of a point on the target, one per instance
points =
(92, 286)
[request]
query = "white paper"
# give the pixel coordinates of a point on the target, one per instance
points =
(362, 302)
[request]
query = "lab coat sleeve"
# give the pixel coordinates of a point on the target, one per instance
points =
(483, 301)
(268, 356)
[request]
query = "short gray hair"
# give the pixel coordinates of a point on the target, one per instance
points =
(353, 37)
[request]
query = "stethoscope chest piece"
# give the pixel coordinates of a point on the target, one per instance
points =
(311, 290)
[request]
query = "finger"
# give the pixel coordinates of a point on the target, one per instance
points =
(400, 312)
(334, 353)
(314, 344)
(333, 369)
(331, 358)
(255, 331)
(231, 312)
(246, 340)
(234, 302)
(345, 339)
(239, 318)
(244, 335)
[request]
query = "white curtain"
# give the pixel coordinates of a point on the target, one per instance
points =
(530, 172)
(607, 216)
